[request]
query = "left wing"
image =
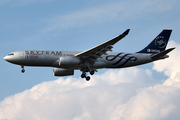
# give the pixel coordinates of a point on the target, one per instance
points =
(96, 52)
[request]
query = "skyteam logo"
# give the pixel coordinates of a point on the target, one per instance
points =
(160, 42)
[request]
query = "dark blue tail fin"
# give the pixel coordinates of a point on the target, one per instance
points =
(158, 44)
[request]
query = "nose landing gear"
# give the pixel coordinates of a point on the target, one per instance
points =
(23, 70)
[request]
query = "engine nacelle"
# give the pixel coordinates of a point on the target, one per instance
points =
(62, 72)
(69, 60)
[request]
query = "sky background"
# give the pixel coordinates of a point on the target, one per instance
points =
(150, 91)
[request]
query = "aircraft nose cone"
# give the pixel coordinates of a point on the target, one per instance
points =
(6, 58)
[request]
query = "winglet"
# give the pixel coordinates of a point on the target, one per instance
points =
(126, 32)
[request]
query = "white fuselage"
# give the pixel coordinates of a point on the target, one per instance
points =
(51, 59)
(65, 62)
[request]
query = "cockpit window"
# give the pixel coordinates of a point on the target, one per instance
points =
(10, 54)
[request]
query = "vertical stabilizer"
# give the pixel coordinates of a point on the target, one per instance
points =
(159, 43)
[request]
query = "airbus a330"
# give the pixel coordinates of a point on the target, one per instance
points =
(65, 62)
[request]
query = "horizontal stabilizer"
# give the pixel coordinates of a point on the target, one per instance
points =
(161, 54)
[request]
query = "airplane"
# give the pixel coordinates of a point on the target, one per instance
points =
(98, 57)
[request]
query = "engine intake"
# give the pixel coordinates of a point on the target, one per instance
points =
(62, 72)
(69, 60)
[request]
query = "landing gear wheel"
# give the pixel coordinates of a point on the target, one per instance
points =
(83, 75)
(87, 78)
(23, 70)
(92, 72)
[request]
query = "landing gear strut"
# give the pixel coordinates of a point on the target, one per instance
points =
(23, 70)
(87, 69)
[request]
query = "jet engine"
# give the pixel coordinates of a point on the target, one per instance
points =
(69, 60)
(62, 72)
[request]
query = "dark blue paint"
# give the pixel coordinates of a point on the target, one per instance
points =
(123, 57)
(158, 44)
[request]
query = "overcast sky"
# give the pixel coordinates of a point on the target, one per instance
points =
(146, 92)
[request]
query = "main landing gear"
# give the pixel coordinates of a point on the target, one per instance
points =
(23, 70)
(84, 74)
